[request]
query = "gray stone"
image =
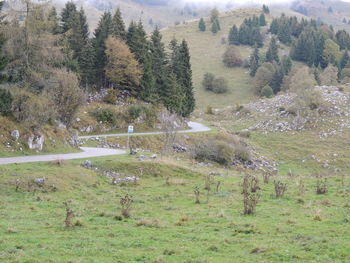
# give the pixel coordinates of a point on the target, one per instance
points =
(87, 164)
(36, 142)
(15, 134)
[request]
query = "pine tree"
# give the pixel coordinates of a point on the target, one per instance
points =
(286, 64)
(344, 60)
(159, 69)
(262, 20)
(277, 80)
(54, 21)
(201, 25)
(254, 62)
(140, 47)
(233, 37)
(174, 96)
(274, 27)
(79, 34)
(272, 52)
(266, 9)
(103, 30)
(185, 78)
(68, 16)
(87, 65)
(118, 26)
(215, 27)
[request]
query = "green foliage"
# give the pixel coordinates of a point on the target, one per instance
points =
(5, 102)
(264, 76)
(266, 9)
(254, 62)
(118, 26)
(214, 15)
(343, 39)
(111, 96)
(106, 116)
(262, 20)
(216, 85)
(272, 52)
(134, 112)
(201, 25)
(344, 61)
(267, 91)
(215, 27)
(233, 37)
(249, 33)
(286, 64)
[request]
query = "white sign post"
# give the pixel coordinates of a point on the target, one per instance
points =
(130, 130)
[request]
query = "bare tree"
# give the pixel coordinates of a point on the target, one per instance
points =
(169, 123)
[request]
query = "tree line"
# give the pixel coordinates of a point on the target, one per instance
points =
(44, 52)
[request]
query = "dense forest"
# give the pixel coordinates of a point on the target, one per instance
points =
(50, 61)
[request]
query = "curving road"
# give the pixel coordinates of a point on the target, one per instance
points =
(88, 152)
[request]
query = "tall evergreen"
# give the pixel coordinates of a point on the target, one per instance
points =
(68, 16)
(184, 74)
(254, 62)
(140, 46)
(79, 34)
(277, 80)
(272, 52)
(87, 65)
(233, 37)
(262, 20)
(159, 59)
(201, 25)
(266, 9)
(286, 64)
(118, 26)
(344, 61)
(215, 27)
(103, 30)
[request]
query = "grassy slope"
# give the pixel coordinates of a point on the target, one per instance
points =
(285, 230)
(206, 53)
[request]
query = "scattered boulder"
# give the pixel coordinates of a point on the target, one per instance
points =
(87, 164)
(154, 156)
(179, 148)
(40, 181)
(15, 135)
(36, 142)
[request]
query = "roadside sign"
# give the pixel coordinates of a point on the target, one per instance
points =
(130, 129)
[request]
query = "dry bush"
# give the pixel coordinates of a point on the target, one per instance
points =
(154, 223)
(321, 185)
(69, 215)
(221, 148)
(250, 194)
(266, 177)
(197, 194)
(232, 57)
(126, 203)
(301, 187)
(59, 162)
(280, 188)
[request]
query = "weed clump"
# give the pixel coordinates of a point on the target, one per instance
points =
(280, 188)
(250, 194)
(126, 203)
(69, 215)
(321, 185)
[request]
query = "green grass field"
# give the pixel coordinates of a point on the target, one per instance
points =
(166, 225)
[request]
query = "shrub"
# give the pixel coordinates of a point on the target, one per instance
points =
(250, 194)
(216, 85)
(106, 116)
(134, 112)
(111, 96)
(232, 57)
(220, 86)
(5, 102)
(267, 91)
(222, 148)
(125, 203)
(280, 189)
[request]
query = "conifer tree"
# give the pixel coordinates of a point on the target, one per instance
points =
(272, 52)
(262, 20)
(233, 37)
(68, 16)
(184, 72)
(344, 61)
(87, 65)
(103, 30)
(159, 59)
(201, 25)
(54, 21)
(215, 27)
(286, 64)
(266, 9)
(118, 26)
(140, 47)
(277, 80)
(254, 62)
(174, 98)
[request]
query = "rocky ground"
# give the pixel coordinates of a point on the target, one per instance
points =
(273, 115)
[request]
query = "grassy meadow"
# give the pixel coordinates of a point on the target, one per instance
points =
(165, 224)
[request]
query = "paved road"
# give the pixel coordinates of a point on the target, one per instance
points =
(88, 152)
(194, 127)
